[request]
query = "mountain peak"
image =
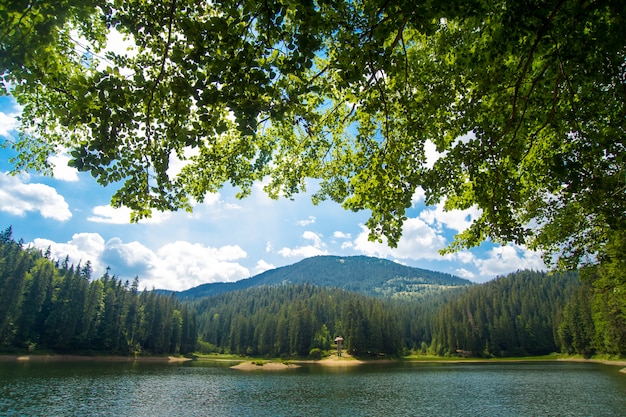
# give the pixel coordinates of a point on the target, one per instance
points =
(362, 274)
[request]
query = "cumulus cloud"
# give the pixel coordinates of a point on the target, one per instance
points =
(18, 198)
(418, 241)
(347, 245)
(8, 123)
(315, 248)
(133, 258)
(418, 195)
(81, 248)
(465, 256)
(177, 164)
(341, 235)
(458, 220)
(432, 155)
(464, 273)
(61, 170)
(175, 266)
(183, 265)
(505, 259)
(111, 215)
(262, 266)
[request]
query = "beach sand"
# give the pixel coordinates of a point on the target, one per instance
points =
(80, 358)
(264, 366)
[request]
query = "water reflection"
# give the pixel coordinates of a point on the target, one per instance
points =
(212, 388)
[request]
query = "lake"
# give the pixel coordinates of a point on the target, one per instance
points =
(398, 389)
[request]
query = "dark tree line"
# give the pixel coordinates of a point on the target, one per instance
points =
(47, 305)
(594, 321)
(516, 315)
(292, 320)
(51, 305)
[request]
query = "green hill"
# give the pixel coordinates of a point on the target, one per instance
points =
(361, 274)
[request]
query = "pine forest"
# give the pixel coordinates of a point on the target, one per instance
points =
(52, 306)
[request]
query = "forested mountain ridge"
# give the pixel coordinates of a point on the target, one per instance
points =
(361, 274)
(514, 315)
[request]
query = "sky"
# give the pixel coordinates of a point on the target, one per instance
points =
(224, 239)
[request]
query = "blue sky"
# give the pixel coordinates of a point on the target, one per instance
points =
(224, 239)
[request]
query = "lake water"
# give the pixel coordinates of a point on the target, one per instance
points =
(213, 389)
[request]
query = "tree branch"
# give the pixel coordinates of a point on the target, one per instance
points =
(159, 78)
(529, 58)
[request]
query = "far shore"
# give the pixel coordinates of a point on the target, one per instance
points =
(87, 358)
(333, 360)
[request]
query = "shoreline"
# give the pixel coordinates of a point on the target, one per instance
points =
(276, 364)
(95, 358)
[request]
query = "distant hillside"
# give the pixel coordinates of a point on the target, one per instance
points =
(362, 274)
(515, 315)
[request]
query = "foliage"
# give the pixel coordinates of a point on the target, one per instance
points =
(524, 101)
(61, 308)
(596, 321)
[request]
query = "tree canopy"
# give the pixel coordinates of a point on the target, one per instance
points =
(524, 101)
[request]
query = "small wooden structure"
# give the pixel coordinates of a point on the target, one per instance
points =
(339, 341)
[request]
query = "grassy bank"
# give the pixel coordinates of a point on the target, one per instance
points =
(250, 363)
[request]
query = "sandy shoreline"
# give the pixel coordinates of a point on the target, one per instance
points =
(81, 358)
(249, 365)
(265, 366)
(332, 361)
(335, 361)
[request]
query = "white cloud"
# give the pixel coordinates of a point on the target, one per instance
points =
(133, 258)
(316, 248)
(233, 206)
(302, 252)
(8, 123)
(465, 256)
(306, 222)
(61, 170)
(111, 215)
(464, 273)
(183, 265)
(458, 220)
(341, 235)
(262, 266)
(176, 164)
(347, 245)
(82, 248)
(418, 241)
(418, 195)
(506, 259)
(314, 237)
(211, 199)
(432, 155)
(175, 266)
(18, 198)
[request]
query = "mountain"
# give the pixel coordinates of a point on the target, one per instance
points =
(361, 274)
